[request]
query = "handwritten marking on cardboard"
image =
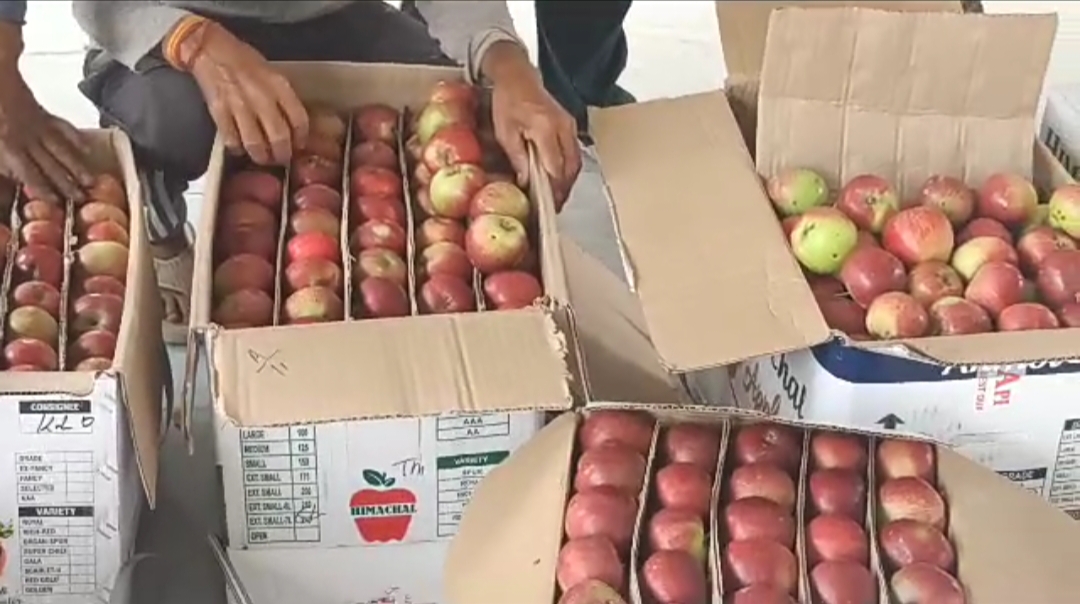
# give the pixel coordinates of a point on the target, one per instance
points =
(281, 486)
(268, 363)
(56, 417)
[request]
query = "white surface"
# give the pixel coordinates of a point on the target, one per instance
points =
(662, 34)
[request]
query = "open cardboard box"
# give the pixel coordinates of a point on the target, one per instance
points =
(85, 444)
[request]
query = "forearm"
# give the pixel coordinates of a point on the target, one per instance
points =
(127, 30)
(467, 30)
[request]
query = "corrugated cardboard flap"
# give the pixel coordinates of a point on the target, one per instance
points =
(744, 25)
(494, 361)
(903, 95)
(703, 250)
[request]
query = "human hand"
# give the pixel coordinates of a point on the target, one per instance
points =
(38, 149)
(254, 107)
(522, 110)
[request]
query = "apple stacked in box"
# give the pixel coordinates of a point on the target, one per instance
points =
(36, 325)
(602, 512)
(837, 539)
(912, 540)
(759, 520)
(379, 215)
(955, 261)
(674, 566)
(472, 217)
(313, 276)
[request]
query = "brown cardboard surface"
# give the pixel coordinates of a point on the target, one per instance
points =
(513, 525)
(744, 24)
(848, 91)
(705, 254)
(138, 362)
(508, 360)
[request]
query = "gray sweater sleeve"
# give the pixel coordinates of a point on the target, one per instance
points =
(466, 29)
(12, 11)
(128, 29)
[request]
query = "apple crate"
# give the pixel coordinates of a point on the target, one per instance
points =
(698, 505)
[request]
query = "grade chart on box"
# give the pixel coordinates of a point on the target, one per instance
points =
(281, 484)
(1065, 483)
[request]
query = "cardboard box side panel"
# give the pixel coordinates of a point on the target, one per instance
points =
(1061, 126)
(473, 362)
(744, 24)
(685, 197)
(903, 95)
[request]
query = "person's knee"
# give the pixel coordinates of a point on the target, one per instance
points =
(164, 113)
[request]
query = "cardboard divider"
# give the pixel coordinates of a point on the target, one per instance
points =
(348, 261)
(716, 522)
(66, 286)
(634, 592)
(802, 516)
(877, 564)
(282, 242)
(411, 208)
(11, 220)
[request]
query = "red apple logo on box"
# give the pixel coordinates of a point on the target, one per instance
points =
(382, 513)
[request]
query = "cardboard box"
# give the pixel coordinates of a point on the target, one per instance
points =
(349, 447)
(1061, 126)
(514, 525)
(753, 304)
(82, 447)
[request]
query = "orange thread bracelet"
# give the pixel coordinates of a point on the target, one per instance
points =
(188, 26)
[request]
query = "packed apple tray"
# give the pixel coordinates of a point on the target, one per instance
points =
(65, 269)
(363, 230)
(788, 513)
(953, 261)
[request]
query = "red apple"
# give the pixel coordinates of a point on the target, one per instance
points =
(1007, 198)
(674, 577)
(898, 458)
(757, 518)
(1027, 316)
(866, 239)
(439, 117)
(502, 198)
(445, 258)
(106, 231)
(324, 146)
(378, 233)
(672, 529)
(374, 153)
(911, 498)
(996, 286)
(93, 364)
(454, 91)
(794, 191)
(436, 229)
(382, 298)
(629, 428)
(1059, 278)
(383, 263)
(42, 232)
(309, 169)
(241, 215)
(108, 189)
(836, 538)
(103, 284)
(920, 582)
(951, 196)
(443, 294)
(317, 195)
(919, 234)
(40, 294)
(313, 245)
(509, 290)
(1069, 315)
(313, 305)
(763, 480)
(244, 271)
(869, 272)
(768, 443)
(760, 562)
(896, 315)
(387, 209)
(452, 187)
(243, 309)
(313, 272)
(253, 185)
(905, 542)
(589, 558)
(869, 201)
(96, 212)
(376, 122)
(605, 512)
(40, 263)
(495, 243)
(422, 176)
(42, 210)
(248, 240)
(984, 227)
(843, 583)
(369, 181)
(955, 316)
(931, 281)
(971, 256)
(455, 144)
(843, 314)
(759, 594)
(315, 220)
(696, 444)
(96, 343)
(325, 121)
(684, 486)
(1038, 243)
(30, 355)
(838, 491)
(96, 311)
(611, 465)
(829, 450)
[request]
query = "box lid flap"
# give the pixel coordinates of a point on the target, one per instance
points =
(848, 91)
(702, 248)
(744, 24)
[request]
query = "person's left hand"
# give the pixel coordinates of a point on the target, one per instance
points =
(522, 110)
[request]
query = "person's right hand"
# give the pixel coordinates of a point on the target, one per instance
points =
(253, 106)
(37, 149)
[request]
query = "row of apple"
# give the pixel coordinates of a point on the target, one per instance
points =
(788, 505)
(954, 261)
(61, 314)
